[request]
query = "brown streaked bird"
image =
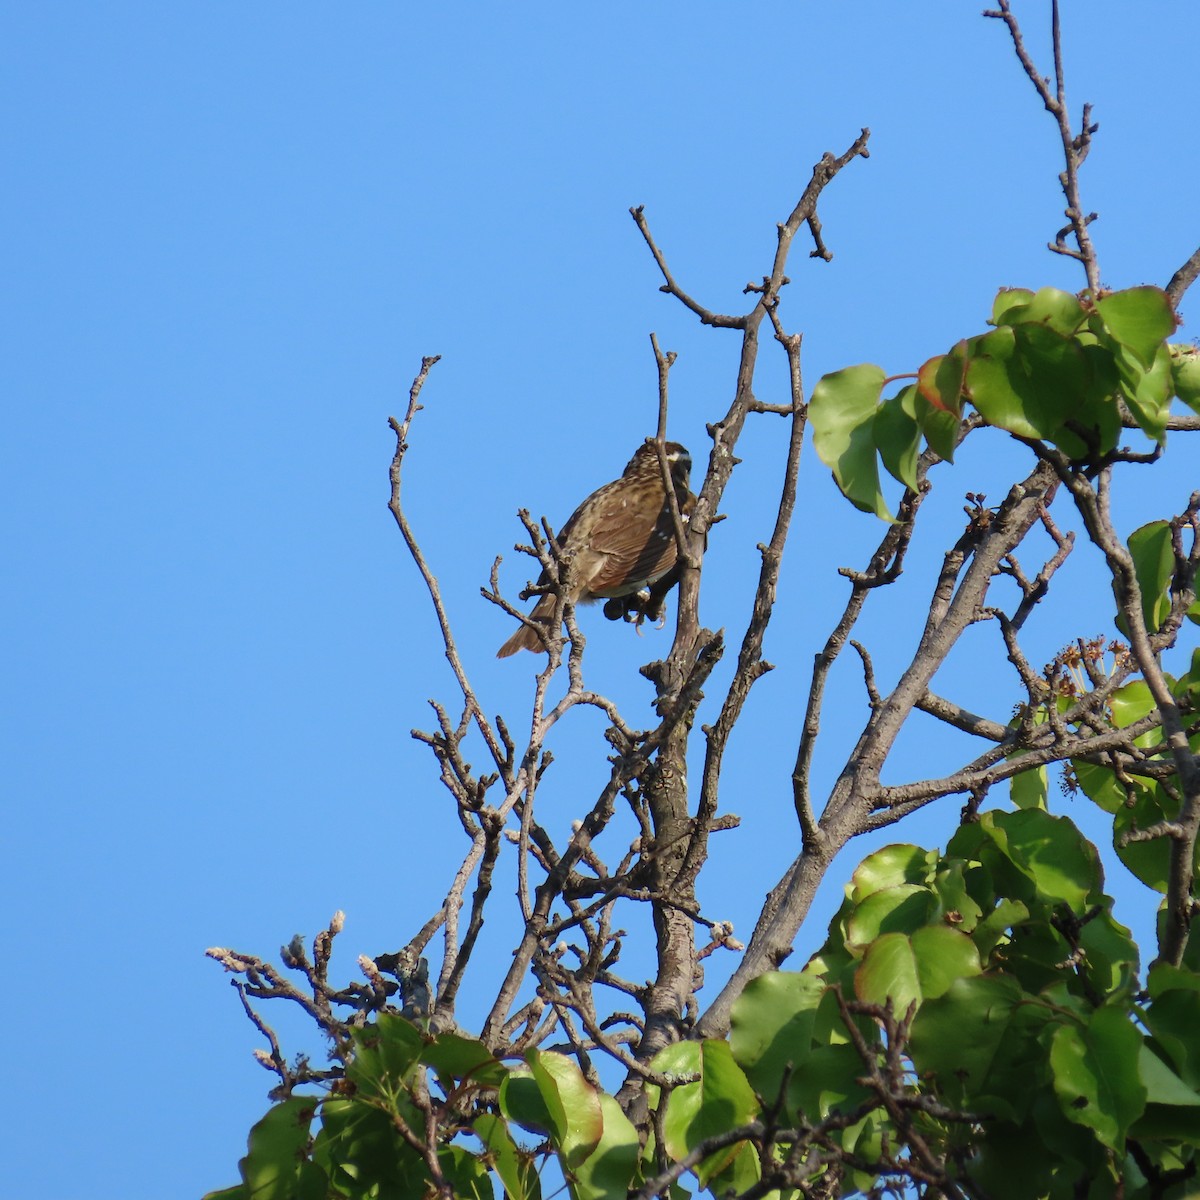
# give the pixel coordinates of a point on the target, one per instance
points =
(621, 539)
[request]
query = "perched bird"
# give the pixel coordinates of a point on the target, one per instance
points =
(621, 539)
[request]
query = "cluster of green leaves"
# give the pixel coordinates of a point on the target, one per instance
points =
(1054, 368)
(372, 1132)
(1028, 1024)
(1137, 803)
(1032, 1060)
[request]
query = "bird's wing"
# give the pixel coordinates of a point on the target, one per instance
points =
(632, 546)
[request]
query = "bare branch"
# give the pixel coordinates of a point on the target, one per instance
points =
(1075, 146)
(1183, 278)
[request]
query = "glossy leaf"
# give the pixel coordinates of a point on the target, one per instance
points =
(897, 434)
(771, 1027)
(1185, 374)
(959, 907)
(362, 1153)
(998, 388)
(467, 1175)
(521, 1101)
(1007, 305)
(956, 1036)
(720, 1099)
(901, 909)
(455, 1058)
(1029, 788)
(1173, 1018)
(1051, 307)
(1099, 784)
(609, 1170)
(1111, 953)
(576, 1117)
(842, 413)
(1149, 860)
(989, 932)
(1154, 565)
(888, 974)
(275, 1167)
(1095, 1073)
(1063, 864)
(1147, 391)
(1140, 318)
(384, 1055)
(1162, 1084)
(1131, 702)
(889, 867)
(939, 427)
(940, 380)
(517, 1168)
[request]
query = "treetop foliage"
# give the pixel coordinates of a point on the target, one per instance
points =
(977, 1023)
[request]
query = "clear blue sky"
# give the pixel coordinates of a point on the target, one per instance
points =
(232, 231)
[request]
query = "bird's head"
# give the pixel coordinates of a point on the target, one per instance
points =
(645, 460)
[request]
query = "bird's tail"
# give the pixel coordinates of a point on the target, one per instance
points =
(526, 638)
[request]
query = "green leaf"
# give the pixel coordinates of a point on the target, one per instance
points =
(385, 1054)
(1148, 860)
(1172, 1018)
(997, 386)
(276, 1166)
(955, 1036)
(1054, 378)
(521, 1101)
(939, 427)
(1154, 565)
(888, 974)
(1163, 1085)
(899, 909)
(771, 1027)
(1131, 702)
(738, 1175)
(1172, 1108)
(468, 1176)
(940, 380)
(1095, 1073)
(1099, 784)
(1055, 309)
(829, 1082)
(959, 907)
(576, 1118)
(609, 1170)
(1165, 978)
(1009, 301)
(1147, 391)
(721, 1099)
(906, 970)
(517, 1168)
(1029, 788)
(889, 867)
(1139, 318)
(995, 926)
(1185, 374)
(897, 434)
(842, 413)
(455, 1058)
(1063, 864)
(362, 1153)
(1111, 954)
(1018, 1076)
(943, 955)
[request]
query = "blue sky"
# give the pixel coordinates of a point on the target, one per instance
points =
(233, 232)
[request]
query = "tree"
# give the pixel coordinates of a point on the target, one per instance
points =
(977, 1022)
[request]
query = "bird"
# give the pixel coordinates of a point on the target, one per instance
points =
(621, 540)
